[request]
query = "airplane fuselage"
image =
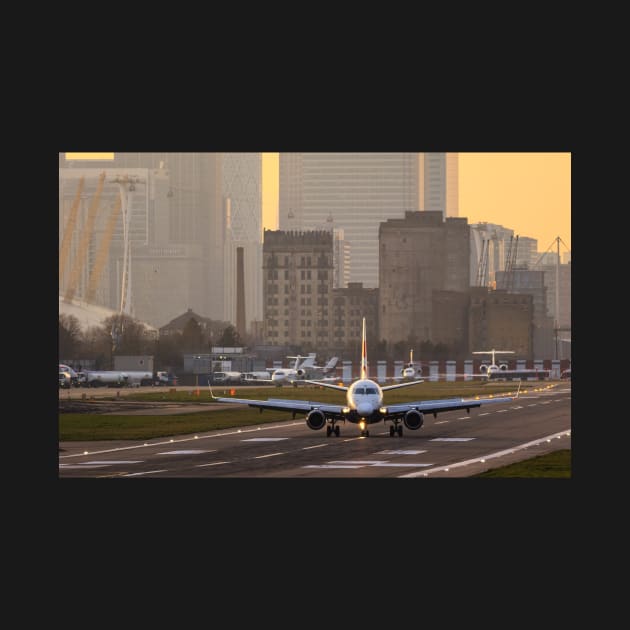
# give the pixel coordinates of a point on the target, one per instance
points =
(365, 397)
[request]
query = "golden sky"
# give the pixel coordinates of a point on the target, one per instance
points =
(529, 193)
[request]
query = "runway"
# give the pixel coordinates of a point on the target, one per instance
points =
(455, 444)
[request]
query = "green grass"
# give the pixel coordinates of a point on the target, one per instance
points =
(551, 465)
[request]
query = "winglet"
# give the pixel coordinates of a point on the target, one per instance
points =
(211, 394)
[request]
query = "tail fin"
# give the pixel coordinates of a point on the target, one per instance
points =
(364, 370)
(331, 364)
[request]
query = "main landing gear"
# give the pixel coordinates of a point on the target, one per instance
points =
(332, 429)
(396, 428)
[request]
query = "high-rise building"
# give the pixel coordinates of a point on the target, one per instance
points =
(439, 183)
(349, 191)
(297, 288)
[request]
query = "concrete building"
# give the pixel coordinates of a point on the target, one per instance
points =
(502, 321)
(418, 255)
(350, 305)
(297, 288)
(354, 192)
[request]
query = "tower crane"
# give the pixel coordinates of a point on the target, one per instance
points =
(85, 239)
(103, 251)
(69, 231)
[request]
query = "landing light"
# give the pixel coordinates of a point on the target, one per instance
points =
(362, 425)
(383, 411)
(345, 410)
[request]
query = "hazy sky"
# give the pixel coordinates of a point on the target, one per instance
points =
(529, 193)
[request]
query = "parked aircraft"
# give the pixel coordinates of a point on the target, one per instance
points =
(502, 372)
(410, 370)
(364, 404)
(301, 371)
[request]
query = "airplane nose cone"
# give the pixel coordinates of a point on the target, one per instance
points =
(364, 409)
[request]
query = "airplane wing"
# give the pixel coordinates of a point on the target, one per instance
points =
(445, 404)
(280, 404)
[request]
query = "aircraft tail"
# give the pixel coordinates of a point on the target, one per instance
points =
(364, 368)
(331, 364)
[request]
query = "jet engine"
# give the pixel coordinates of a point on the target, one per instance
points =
(503, 367)
(300, 373)
(315, 419)
(413, 419)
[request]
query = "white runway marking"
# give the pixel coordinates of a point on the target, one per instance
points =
(405, 465)
(485, 413)
(270, 455)
(212, 464)
(359, 462)
(464, 418)
(188, 452)
(264, 439)
(107, 462)
(330, 466)
(316, 446)
(148, 472)
(441, 422)
(393, 452)
(451, 439)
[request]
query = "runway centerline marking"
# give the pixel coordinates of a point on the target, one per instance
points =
(187, 452)
(451, 439)
(270, 455)
(265, 439)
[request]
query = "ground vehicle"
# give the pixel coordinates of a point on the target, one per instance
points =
(165, 378)
(566, 374)
(65, 380)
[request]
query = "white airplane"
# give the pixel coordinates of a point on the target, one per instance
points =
(302, 371)
(410, 371)
(364, 405)
(501, 371)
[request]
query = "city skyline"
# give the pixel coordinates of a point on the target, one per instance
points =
(529, 193)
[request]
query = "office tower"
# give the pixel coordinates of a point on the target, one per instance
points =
(439, 183)
(353, 192)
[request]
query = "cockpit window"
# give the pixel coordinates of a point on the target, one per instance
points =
(360, 390)
(370, 390)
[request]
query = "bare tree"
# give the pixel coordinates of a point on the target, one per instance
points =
(69, 336)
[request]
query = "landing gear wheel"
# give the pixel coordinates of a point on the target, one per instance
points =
(328, 431)
(336, 429)
(391, 431)
(399, 429)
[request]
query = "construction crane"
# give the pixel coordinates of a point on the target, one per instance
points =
(85, 239)
(103, 251)
(482, 269)
(510, 260)
(69, 231)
